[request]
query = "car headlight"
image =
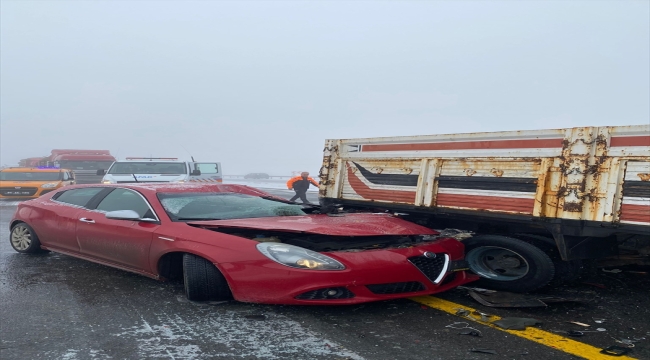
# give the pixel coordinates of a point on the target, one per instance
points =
(49, 185)
(297, 257)
(107, 182)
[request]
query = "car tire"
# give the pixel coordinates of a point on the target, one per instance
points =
(509, 264)
(203, 281)
(24, 240)
(566, 272)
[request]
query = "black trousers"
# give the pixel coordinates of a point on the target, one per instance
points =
(302, 195)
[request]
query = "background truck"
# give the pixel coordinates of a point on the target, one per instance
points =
(84, 163)
(537, 202)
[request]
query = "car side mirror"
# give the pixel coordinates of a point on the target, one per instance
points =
(101, 172)
(195, 172)
(123, 215)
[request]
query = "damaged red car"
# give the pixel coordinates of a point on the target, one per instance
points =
(233, 241)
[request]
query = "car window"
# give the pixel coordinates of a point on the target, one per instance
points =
(165, 168)
(124, 199)
(207, 168)
(65, 176)
(78, 197)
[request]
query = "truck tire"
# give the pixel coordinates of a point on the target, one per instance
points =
(509, 264)
(203, 281)
(566, 272)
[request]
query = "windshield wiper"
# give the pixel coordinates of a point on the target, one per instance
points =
(136, 179)
(197, 219)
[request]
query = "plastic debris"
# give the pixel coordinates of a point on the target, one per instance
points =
(615, 350)
(599, 321)
(508, 299)
(516, 323)
(613, 271)
(484, 351)
(467, 330)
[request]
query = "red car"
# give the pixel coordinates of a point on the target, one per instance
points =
(233, 241)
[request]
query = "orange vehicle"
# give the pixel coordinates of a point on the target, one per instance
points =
(32, 182)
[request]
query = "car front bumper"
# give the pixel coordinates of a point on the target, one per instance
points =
(370, 275)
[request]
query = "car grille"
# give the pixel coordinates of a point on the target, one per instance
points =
(323, 294)
(23, 191)
(431, 267)
(396, 288)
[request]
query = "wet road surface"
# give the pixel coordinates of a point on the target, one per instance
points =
(58, 307)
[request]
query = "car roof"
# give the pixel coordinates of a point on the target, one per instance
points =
(33, 169)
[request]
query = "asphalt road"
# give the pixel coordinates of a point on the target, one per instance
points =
(58, 307)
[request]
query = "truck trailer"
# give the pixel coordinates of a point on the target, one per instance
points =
(532, 205)
(84, 163)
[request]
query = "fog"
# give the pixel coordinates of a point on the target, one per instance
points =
(259, 86)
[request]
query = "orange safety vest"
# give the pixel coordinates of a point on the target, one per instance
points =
(293, 180)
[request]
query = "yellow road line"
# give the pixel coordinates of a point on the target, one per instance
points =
(539, 336)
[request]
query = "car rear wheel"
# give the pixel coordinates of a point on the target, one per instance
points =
(508, 264)
(203, 281)
(24, 240)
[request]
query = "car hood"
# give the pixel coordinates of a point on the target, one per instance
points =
(334, 225)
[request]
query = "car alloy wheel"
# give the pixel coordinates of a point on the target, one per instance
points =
(21, 237)
(24, 240)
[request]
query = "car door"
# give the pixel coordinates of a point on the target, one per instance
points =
(122, 242)
(58, 228)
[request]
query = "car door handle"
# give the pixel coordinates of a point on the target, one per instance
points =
(89, 221)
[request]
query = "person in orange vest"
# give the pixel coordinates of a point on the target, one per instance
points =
(300, 184)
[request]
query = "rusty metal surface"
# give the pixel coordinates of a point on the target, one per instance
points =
(581, 179)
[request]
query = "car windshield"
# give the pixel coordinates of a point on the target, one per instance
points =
(222, 206)
(165, 168)
(84, 165)
(29, 176)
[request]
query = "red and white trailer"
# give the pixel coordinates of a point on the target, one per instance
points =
(538, 201)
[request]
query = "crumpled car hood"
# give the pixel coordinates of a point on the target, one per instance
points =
(337, 225)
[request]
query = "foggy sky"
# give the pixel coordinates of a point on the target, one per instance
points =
(259, 86)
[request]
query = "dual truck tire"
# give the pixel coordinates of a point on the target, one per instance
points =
(518, 263)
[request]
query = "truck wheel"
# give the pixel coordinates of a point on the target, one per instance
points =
(565, 271)
(203, 281)
(508, 264)
(24, 240)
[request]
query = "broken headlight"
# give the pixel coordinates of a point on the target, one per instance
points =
(297, 257)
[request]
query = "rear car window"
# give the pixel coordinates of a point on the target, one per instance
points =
(79, 197)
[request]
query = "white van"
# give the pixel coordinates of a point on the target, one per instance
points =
(151, 170)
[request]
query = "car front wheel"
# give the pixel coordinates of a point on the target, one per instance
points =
(24, 240)
(203, 281)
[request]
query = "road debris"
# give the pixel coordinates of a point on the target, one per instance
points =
(613, 271)
(615, 350)
(512, 323)
(467, 330)
(484, 351)
(511, 300)
(579, 323)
